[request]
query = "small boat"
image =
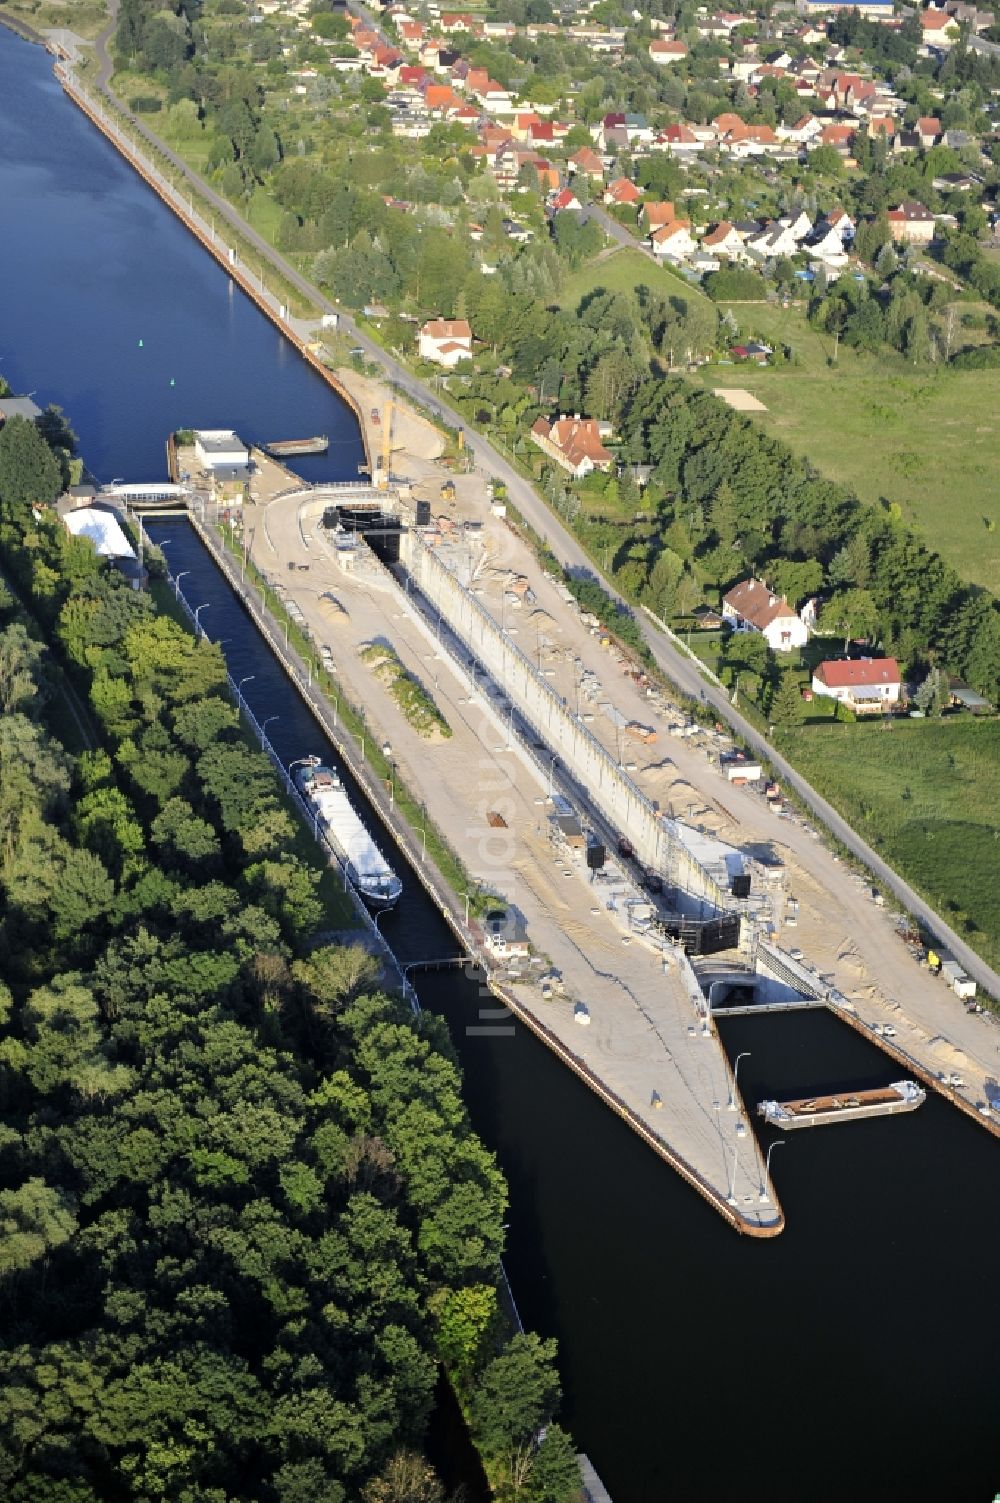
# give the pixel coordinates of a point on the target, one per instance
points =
(293, 446)
(336, 818)
(901, 1096)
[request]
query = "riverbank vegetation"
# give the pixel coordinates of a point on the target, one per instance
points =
(242, 1213)
(410, 695)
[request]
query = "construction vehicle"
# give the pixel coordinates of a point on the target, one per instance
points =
(448, 490)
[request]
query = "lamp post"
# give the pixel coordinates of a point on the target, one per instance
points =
(465, 895)
(736, 1072)
(552, 762)
(263, 729)
(198, 629)
(731, 1197)
(239, 688)
(177, 582)
(778, 1143)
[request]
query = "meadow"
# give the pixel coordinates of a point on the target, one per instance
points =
(925, 794)
(924, 437)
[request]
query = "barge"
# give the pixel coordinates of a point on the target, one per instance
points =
(846, 1106)
(360, 858)
(289, 447)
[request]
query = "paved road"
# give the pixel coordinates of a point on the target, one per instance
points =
(491, 462)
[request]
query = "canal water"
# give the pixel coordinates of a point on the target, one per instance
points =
(852, 1357)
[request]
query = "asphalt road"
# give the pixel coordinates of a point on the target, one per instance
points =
(678, 668)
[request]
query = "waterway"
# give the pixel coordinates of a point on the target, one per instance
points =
(853, 1356)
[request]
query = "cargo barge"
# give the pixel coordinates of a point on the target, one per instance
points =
(289, 447)
(846, 1106)
(335, 816)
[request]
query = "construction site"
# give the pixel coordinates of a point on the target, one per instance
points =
(639, 874)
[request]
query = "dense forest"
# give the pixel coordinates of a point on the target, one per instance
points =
(243, 1217)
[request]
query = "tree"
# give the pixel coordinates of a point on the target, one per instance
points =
(34, 1219)
(29, 471)
(787, 703)
(515, 1395)
(406, 1478)
(851, 611)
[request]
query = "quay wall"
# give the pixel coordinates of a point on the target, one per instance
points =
(165, 191)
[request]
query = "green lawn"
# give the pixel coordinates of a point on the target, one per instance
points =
(926, 438)
(926, 795)
(623, 271)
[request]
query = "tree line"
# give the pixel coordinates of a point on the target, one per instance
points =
(243, 1216)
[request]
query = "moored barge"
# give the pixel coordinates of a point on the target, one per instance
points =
(846, 1106)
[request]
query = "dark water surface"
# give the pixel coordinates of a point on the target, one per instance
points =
(852, 1358)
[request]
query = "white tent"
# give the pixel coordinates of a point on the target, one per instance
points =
(103, 529)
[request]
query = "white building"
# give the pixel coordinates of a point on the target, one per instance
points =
(220, 449)
(752, 606)
(864, 684)
(445, 341)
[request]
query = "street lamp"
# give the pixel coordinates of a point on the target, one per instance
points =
(736, 1071)
(197, 623)
(552, 762)
(465, 895)
(731, 1197)
(239, 688)
(177, 581)
(778, 1143)
(263, 729)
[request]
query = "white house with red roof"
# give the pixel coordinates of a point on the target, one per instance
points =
(673, 241)
(864, 684)
(445, 341)
(937, 28)
(574, 443)
(565, 199)
(753, 606)
(667, 52)
(725, 240)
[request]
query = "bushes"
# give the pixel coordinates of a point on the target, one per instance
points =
(736, 286)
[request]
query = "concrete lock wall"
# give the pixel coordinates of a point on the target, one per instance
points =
(613, 794)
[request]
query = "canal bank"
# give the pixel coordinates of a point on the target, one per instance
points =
(874, 1300)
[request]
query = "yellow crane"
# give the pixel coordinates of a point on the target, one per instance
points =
(383, 474)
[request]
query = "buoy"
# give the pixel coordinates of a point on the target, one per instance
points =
(172, 381)
(140, 344)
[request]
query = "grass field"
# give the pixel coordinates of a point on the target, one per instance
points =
(926, 438)
(926, 795)
(623, 271)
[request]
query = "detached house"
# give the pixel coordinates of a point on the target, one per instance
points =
(864, 684)
(667, 52)
(622, 191)
(574, 443)
(910, 221)
(673, 241)
(725, 240)
(751, 606)
(445, 341)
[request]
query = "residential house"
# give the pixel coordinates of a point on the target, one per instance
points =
(928, 128)
(937, 29)
(587, 161)
(673, 241)
(652, 216)
(804, 129)
(622, 191)
(573, 443)
(863, 684)
(445, 341)
(752, 606)
(911, 222)
(563, 200)
(725, 240)
(775, 239)
(679, 140)
(667, 52)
